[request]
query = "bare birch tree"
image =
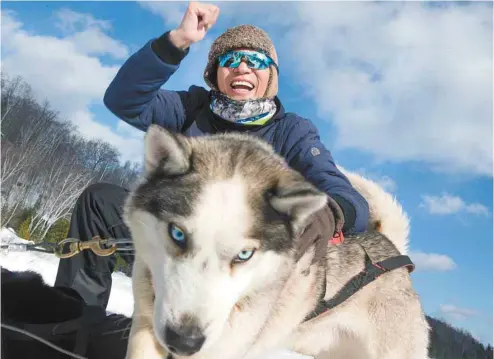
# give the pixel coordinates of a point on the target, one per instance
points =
(45, 163)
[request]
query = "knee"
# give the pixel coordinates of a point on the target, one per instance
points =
(102, 191)
(98, 190)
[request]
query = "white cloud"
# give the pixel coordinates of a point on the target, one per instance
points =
(67, 72)
(432, 261)
(126, 139)
(172, 13)
(403, 81)
(72, 21)
(477, 208)
(449, 204)
(400, 80)
(457, 313)
(94, 41)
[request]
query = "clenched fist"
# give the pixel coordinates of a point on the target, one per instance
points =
(198, 19)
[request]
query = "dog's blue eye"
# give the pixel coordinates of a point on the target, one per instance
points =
(176, 233)
(245, 255)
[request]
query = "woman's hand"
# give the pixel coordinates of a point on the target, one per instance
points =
(197, 20)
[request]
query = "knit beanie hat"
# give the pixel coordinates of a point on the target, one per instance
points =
(242, 37)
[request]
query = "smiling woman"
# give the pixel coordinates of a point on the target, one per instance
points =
(241, 77)
(240, 65)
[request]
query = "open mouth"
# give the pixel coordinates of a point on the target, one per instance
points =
(241, 86)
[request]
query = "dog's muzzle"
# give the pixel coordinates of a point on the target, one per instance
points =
(184, 340)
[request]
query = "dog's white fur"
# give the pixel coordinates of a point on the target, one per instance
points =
(258, 306)
(383, 208)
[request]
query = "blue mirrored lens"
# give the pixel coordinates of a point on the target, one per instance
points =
(254, 60)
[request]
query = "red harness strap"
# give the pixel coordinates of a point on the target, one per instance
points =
(338, 238)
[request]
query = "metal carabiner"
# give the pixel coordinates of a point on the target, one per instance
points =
(76, 246)
(96, 243)
(73, 248)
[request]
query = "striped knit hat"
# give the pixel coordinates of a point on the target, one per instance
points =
(242, 37)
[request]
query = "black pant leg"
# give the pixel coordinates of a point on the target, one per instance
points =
(98, 211)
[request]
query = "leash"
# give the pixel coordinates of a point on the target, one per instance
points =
(69, 247)
(371, 272)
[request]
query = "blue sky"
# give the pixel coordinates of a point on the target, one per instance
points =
(401, 92)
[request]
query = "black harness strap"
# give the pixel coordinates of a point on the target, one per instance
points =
(370, 273)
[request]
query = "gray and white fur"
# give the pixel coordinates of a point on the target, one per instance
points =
(215, 222)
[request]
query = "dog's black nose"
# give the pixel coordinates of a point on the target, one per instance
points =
(184, 340)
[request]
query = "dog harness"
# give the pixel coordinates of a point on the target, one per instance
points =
(371, 272)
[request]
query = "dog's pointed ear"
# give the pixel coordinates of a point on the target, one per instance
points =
(298, 199)
(166, 151)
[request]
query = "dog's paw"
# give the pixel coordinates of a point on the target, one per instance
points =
(145, 352)
(143, 344)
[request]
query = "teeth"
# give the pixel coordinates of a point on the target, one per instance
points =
(242, 83)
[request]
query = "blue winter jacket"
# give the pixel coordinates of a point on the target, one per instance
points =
(136, 97)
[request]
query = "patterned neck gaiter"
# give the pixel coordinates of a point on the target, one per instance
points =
(248, 112)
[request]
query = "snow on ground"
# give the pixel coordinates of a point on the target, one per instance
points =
(121, 299)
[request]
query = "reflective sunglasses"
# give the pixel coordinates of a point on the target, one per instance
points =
(255, 60)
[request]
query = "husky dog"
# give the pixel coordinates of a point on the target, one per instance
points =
(215, 222)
